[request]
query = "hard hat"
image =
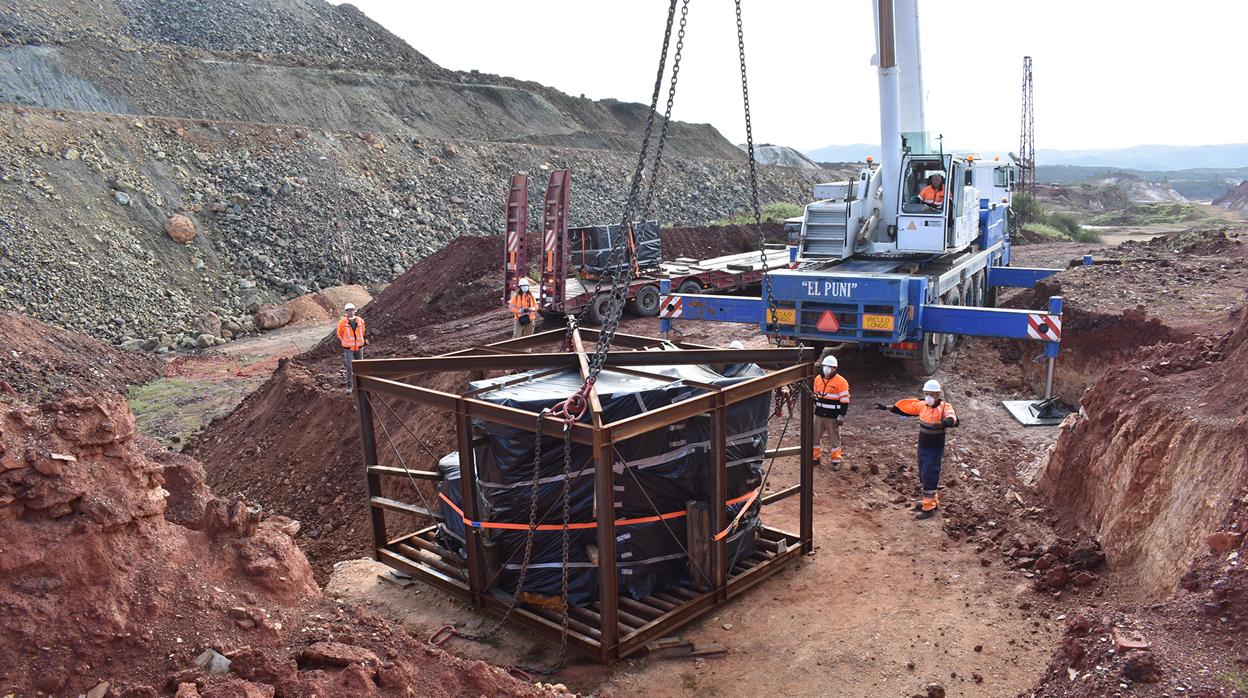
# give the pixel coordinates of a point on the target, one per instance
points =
(829, 360)
(931, 387)
(736, 344)
(349, 306)
(524, 283)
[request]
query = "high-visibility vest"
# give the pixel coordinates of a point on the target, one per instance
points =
(523, 302)
(932, 195)
(349, 338)
(931, 426)
(831, 394)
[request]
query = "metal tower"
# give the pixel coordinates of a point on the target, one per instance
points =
(1027, 136)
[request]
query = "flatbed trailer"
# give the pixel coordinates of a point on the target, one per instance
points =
(562, 292)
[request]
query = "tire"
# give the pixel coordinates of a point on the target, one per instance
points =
(952, 297)
(978, 291)
(646, 302)
(599, 307)
(930, 351)
(689, 286)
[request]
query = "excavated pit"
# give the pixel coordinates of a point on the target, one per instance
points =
(1156, 456)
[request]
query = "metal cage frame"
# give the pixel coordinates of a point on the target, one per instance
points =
(615, 626)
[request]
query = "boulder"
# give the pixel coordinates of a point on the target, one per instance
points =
(208, 323)
(180, 228)
(337, 654)
(271, 317)
(121, 198)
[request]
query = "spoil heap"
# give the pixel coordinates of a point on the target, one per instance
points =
(123, 574)
(37, 360)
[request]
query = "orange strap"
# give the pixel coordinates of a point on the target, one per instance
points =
(583, 525)
(749, 499)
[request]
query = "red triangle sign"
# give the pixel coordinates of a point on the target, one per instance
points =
(827, 323)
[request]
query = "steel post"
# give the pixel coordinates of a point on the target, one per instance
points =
(368, 439)
(807, 478)
(1051, 349)
(468, 495)
(719, 501)
(604, 498)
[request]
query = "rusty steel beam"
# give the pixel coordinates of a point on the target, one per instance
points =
(780, 494)
(604, 500)
(499, 414)
(372, 482)
(391, 368)
(630, 427)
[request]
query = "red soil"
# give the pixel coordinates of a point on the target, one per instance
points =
(38, 360)
(120, 567)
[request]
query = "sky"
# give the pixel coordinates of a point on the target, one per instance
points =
(1107, 73)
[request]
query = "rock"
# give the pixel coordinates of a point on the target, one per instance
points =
(1125, 640)
(271, 317)
(49, 467)
(935, 690)
(1141, 665)
(1224, 542)
(134, 345)
(213, 662)
(337, 654)
(73, 154)
(121, 198)
(1045, 562)
(457, 200)
(180, 228)
(1055, 578)
(1084, 578)
(204, 341)
(1078, 624)
(186, 689)
(208, 323)
(269, 666)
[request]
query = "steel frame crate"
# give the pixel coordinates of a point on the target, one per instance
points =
(615, 626)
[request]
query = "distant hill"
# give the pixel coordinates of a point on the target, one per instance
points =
(1141, 157)
(781, 156)
(1200, 184)
(1151, 157)
(856, 152)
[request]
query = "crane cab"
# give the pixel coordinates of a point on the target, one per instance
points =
(938, 209)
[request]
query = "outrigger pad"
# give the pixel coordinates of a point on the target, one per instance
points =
(1037, 413)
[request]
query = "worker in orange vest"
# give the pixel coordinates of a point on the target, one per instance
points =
(935, 415)
(831, 397)
(934, 193)
(524, 310)
(351, 337)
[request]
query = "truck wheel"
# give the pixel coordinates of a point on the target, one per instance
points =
(689, 286)
(646, 302)
(930, 350)
(599, 307)
(978, 290)
(952, 297)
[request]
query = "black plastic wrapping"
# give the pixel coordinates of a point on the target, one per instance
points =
(659, 471)
(590, 248)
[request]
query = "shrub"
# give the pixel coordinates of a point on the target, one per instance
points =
(774, 212)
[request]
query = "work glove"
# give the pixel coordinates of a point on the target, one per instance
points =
(949, 422)
(881, 406)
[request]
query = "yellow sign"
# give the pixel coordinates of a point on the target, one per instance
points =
(785, 316)
(883, 323)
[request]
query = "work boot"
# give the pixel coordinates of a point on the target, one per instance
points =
(928, 507)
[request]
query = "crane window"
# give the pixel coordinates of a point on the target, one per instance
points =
(925, 188)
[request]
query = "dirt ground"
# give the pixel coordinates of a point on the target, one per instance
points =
(884, 591)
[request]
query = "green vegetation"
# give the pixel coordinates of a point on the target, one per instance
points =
(172, 409)
(1150, 214)
(1040, 221)
(772, 213)
(1238, 679)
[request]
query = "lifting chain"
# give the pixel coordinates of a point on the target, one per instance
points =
(772, 324)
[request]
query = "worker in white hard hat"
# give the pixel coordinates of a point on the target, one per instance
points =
(524, 310)
(935, 415)
(351, 337)
(831, 395)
